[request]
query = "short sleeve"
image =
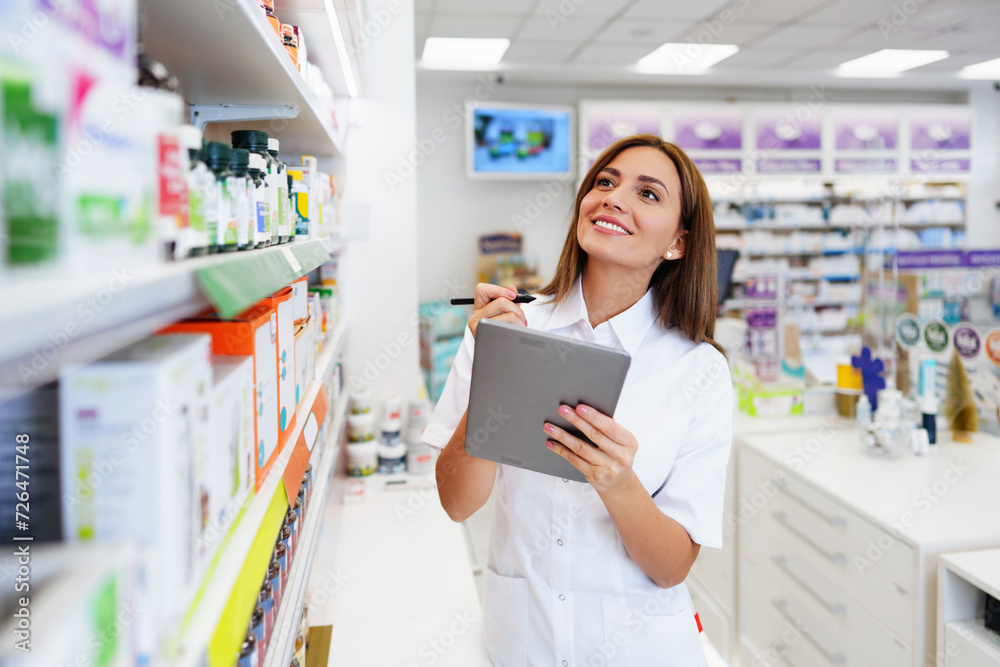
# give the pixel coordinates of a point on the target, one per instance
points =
(454, 397)
(694, 492)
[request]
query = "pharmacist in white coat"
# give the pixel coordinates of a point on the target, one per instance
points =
(593, 574)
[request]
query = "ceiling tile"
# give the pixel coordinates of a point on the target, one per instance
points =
(487, 25)
(802, 37)
(674, 9)
(610, 55)
(950, 40)
(568, 8)
(877, 39)
(755, 58)
(944, 14)
(826, 59)
(572, 29)
(646, 32)
(778, 11)
(539, 53)
(485, 6)
(851, 13)
(740, 32)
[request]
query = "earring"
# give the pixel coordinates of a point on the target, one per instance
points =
(669, 254)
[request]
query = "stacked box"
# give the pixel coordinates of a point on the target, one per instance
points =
(132, 426)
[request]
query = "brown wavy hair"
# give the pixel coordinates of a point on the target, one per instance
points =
(684, 290)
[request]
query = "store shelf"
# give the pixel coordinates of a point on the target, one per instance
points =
(837, 227)
(48, 324)
(226, 53)
(737, 304)
(803, 277)
(282, 644)
(194, 638)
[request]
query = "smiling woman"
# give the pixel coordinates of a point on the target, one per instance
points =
(593, 574)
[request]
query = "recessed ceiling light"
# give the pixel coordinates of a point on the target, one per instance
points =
(675, 58)
(463, 51)
(989, 69)
(889, 61)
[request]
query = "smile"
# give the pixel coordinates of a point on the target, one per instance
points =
(613, 227)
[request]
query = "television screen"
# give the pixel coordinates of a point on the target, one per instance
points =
(519, 141)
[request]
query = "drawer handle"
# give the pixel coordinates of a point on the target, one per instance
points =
(900, 589)
(832, 556)
(834, 658)
(832, 607)
(832, 520)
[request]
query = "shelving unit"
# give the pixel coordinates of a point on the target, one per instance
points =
(85, 319)
(282, 645)
(192, 644)
(964, 579)
(234, 69)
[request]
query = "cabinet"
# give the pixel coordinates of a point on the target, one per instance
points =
(838, 551)
(964, 580)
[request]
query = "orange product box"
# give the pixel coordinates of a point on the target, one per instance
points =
(252, 333)
(281, 303)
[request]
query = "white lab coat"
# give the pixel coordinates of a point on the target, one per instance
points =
(561, 589)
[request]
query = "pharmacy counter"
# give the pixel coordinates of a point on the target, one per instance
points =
(392, 575)
(845, 546)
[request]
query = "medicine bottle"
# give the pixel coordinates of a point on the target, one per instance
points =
(260, 237)
(257, 141)
(193, 239)
(282, 216)
(291, 43)
(249, 656)
(239, 186)
(218, 157)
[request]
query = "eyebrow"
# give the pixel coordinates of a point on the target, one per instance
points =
(642, 177)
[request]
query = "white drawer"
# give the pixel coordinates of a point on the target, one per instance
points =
(968, 644)
(819, 599)
(717, 624)
(870, 564)
(715, 571)
(780, 629)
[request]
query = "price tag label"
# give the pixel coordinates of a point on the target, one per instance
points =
(292, 261)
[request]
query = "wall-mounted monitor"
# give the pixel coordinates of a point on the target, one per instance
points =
(519, 141)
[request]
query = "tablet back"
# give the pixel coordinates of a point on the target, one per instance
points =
(520, 377)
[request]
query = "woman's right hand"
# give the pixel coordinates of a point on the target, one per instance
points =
(496, 303)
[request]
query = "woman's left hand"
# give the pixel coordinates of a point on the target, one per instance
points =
(606, 466)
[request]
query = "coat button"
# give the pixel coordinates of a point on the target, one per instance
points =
(565, 480)
(562, 597)
(565, 664)
(559, 542)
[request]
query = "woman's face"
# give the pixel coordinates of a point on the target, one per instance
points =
(631, 217)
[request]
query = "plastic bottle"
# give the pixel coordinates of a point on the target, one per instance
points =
(863, 417)
(218, 157)
(203, 214)
(300, 203)
(239, 186)
(257, 141)
(268, 7)
(291, 44)
(282, 216)
(291, 206)
(258, 202)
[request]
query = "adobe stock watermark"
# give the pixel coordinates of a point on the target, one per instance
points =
(562, 12)
(34, 24)
(373, 27)
(321, 593)
(454, 117)
(87, 311)
(923, 501)
(900, 16)
(392, 349)
(434, 648)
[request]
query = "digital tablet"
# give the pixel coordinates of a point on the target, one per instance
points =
(520, 377)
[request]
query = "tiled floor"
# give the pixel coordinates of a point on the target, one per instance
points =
(477, 533)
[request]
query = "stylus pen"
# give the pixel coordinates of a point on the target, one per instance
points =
(521, 298)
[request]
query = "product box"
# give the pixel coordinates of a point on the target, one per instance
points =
(300, 296)
(251, 333)
(132, 426)
(228, 468)
(281, 303)
(305, 359)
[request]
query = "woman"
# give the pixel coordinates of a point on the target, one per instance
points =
(592, 574)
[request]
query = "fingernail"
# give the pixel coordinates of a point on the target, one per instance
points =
(548, 428)
(550, 444)
(512, 294)
(582, 409)
(563, 410)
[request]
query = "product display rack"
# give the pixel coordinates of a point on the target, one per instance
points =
(282, 644)
(192, 646)
(234, 69)
(94, 316)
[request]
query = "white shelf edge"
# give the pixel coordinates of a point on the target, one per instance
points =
(227, 565)
(974, 632)
(282, 643)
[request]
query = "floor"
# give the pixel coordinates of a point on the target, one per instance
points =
(477, 533)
